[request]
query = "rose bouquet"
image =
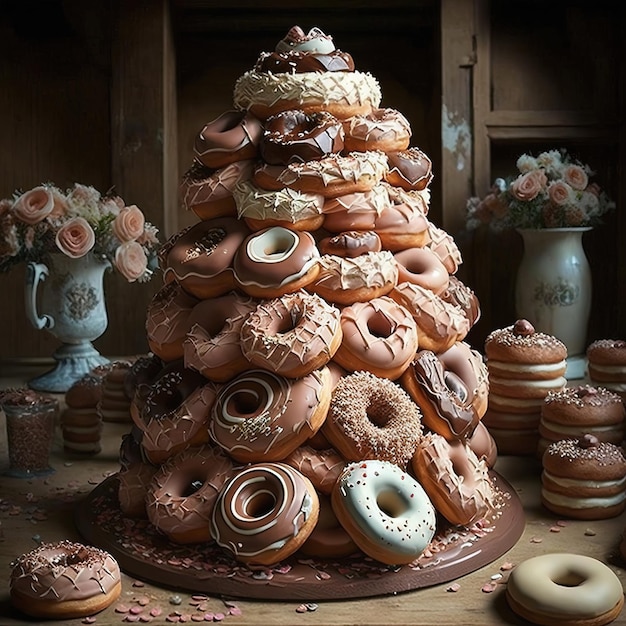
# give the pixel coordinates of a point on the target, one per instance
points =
(551, 190)
(76, 222)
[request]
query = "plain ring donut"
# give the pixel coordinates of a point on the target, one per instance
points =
(565, 589)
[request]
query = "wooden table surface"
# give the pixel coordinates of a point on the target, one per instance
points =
(42, 510)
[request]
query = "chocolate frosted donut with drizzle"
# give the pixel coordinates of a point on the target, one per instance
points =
(265, 513)
(262, 416)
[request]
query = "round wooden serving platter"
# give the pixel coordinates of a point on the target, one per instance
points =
(144, 553)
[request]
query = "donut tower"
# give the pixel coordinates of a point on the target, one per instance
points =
(309, 333)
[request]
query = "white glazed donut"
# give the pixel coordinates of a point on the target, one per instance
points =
(565, 589)
(385, 511)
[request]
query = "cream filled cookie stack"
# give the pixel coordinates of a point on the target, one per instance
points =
(524, 366)
(299, 318)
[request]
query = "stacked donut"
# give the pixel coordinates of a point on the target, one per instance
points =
(312, 331)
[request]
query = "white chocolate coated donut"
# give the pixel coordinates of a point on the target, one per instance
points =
(385, 511)
(565, 589)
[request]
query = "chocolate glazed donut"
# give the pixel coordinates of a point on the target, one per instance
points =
(444, 398)
(293, 136)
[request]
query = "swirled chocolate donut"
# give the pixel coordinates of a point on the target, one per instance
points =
(262, 416)
(233, 136)
(294, 137)
(265, 513)
(276, 261)
(201, 259)
(64, 580)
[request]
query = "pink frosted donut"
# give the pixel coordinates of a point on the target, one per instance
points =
(213, 346)
(379, 336)
(422, 267)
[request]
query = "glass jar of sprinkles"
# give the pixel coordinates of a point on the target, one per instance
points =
(30, 422)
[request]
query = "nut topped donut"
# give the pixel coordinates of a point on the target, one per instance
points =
(584, 478)
(64, 580)
(293, 136)
(291, 335)
(276, 261)
(233, 136)
(579, 410)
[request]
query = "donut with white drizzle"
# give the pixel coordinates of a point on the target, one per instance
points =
(265, 513)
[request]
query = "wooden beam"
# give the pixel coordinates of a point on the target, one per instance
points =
(457, 60)
(143, 142)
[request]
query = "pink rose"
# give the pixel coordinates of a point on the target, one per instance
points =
(34, 206)
(527, 186)
(75, 238)
(131, 261)
(128, 224)
(494, 204)
(560, 193)
(576, 177)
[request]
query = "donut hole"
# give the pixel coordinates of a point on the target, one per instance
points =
(289, 322)
(272, 246)
(191, 487)
(380, 326)
(391, 503)
(456, 386)
(569, 578)
(259, 504)
(243, 403)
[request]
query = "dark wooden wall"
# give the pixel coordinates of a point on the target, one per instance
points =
(112, 92)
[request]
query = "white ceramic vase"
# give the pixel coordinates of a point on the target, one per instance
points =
(553, 288)
(73, 309)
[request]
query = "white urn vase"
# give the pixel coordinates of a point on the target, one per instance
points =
(73, 309)
(553, 289)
